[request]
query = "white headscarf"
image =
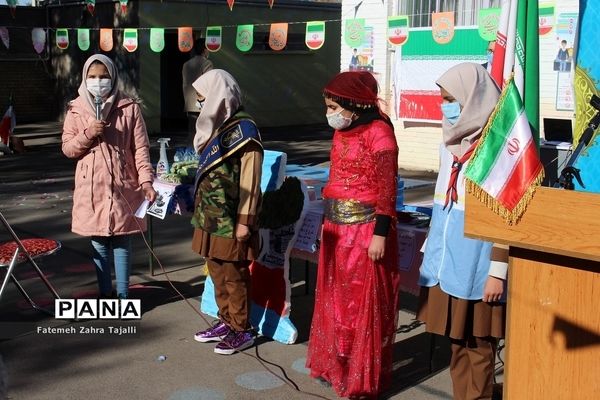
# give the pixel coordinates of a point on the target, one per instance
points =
(223, 100)
(114, 76)
(477, 93)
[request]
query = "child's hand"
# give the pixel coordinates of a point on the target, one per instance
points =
(377, 248)
(242, 233)
(493, 290)
(96, 129)
(149, 192)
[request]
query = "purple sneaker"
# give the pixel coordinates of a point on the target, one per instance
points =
(214, 334)
(235, 341)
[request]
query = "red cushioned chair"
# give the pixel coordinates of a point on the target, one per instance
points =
(22, 251)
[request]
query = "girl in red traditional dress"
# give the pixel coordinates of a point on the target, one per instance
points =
(356, 299)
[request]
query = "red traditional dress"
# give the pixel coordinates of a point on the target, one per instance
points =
(356, 299)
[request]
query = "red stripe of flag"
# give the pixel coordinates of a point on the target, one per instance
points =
(526, 170)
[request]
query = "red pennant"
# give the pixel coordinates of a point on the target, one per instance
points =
(271, 3)
(91, 8)
(124, 8)
(230, 4)
(13, 11)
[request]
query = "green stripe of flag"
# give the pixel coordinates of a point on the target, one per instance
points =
(487, 153)
(315, 28)
(398, 23)
(546, 10)
(213, 32)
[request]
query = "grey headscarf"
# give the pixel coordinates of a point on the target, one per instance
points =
(223, 99)
(114, 92)
(477, 93)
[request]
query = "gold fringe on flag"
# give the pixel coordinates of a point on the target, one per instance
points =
(510, 217)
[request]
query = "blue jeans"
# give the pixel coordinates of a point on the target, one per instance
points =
(106, 251)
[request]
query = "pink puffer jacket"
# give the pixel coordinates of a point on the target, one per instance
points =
(109, 171)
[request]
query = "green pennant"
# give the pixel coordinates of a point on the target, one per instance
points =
(354, 32)
(157, 39)
(62, 39)
(83, 39)
(245, 37)
(489, 19)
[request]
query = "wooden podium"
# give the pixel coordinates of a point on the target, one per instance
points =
(553, 317)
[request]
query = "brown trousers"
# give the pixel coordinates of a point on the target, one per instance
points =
(232, 291)
(472, 368)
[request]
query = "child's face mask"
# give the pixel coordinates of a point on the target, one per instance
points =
(451, 111)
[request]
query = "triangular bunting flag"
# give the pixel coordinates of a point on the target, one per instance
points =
(489, 19)
(213, 38)
(315, 34)
(355, 32)
(91, 6)
(38, 37)
(130, 39)
(230, 4)
(185, 39)
(83, 39)
(271, 3)
(442, 27)
(546, 18)
(62, 38)
(106, 39)
(12, 6)
(398, 30)
(278, 36)
(5, 37)
(245, 37)
(124, 6)
(157, 39)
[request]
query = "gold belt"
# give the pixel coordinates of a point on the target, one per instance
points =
(348, 211)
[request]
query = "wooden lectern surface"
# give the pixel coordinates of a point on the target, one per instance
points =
(553, 306)
(557, 221)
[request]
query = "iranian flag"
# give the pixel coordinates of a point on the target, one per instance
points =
(315, 35)
(62, 38)
(421, 61)
(505, 168)
(398, 29)
(130, 39)
(213, 38)
(546, 18)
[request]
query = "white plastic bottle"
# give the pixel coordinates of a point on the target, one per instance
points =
(162, 167)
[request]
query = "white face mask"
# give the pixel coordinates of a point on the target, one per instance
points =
(99, 87)
(338, 121)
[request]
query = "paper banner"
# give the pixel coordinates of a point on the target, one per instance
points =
(546, 17)
(62, 38)
(38, 37)
(83, 39)
(398, 30)
(157, 39)
(442, 27)
(213, 38)
(12, 5)
(106, 39)
(245, 37)
(278, 36)
(185, 38)
(91, 6)
(271, 3)
(123, 6)
(5, 37)
(230, 4)
(488, 21)
(130, 39)
(355, 32)
(315, 34)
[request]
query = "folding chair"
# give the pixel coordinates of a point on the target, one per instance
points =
(20, 251)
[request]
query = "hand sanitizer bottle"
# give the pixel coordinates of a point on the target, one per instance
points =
(162, 167)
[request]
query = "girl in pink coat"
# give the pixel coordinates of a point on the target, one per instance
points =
(113, 173)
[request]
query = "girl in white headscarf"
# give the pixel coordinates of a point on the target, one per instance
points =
(227, 203)
(104, 130)
(462, 279)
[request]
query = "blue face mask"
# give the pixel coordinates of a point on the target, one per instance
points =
(490, 58)
(451, 111)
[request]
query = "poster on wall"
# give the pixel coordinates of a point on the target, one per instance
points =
(362, 55)
(563, 63)
(422, 60)
(565, 95)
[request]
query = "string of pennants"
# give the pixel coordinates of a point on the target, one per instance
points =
(354, 33)
(91, 6)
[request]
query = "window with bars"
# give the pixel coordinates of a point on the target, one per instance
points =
(465, 11)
